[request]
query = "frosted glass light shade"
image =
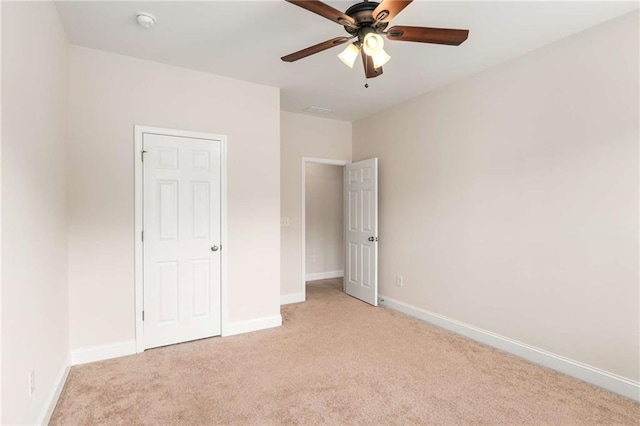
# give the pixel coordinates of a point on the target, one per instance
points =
(349, 55)
(380, 58)
(372, 44)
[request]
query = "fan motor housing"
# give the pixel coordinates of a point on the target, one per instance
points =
(362, 13)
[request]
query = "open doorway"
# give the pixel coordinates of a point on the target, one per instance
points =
(347, 206)
(324, 228)
(322, 222)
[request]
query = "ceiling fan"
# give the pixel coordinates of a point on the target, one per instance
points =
(367, 22)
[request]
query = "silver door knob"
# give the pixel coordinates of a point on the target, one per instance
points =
(214, 248)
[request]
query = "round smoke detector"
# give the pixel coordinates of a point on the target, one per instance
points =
(145, 19)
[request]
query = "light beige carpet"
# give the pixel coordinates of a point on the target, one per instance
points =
(336, 360)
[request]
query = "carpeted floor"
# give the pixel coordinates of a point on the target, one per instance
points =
(335, 360)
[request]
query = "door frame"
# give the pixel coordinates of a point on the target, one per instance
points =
(305, 161)
(138, 223)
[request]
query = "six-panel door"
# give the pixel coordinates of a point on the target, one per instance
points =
(182, 224)
(361, 230)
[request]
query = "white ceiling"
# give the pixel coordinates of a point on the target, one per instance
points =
(245, 40)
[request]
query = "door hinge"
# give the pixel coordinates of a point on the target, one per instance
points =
(142, 315)
(142, 235)
(142, 155)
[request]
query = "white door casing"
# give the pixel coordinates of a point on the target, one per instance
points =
(361, 230)
(182, 224)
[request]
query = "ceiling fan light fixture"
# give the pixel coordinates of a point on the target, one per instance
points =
(380, 58)
(349, 55)
(372, 43)
(367, 22)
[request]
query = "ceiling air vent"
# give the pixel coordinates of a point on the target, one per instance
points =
(319, 110)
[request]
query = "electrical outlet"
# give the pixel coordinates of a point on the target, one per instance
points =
(399, 280)
(32, 383)
(313, 258)
(284, 221)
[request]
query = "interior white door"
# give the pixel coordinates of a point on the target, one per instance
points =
(361, 230)
(182, 231)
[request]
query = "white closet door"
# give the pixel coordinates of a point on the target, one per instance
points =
(182, 223)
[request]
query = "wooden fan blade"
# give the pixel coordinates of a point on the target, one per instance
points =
(326, 11)
(315, 49)
(369, 70)
(388, 9)
(428, 35)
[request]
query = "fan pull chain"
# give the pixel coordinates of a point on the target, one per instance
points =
(366, 73)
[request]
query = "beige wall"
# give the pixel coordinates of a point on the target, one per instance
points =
(323, 207)
(35, 328)
(109, 94)
(303, 136)
(509, 200)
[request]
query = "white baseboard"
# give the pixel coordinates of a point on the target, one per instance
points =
(100, 353)
(287, 299)
(324, 275)
(54, 394)
(115, 350)
(240, 327)
(579, 370)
